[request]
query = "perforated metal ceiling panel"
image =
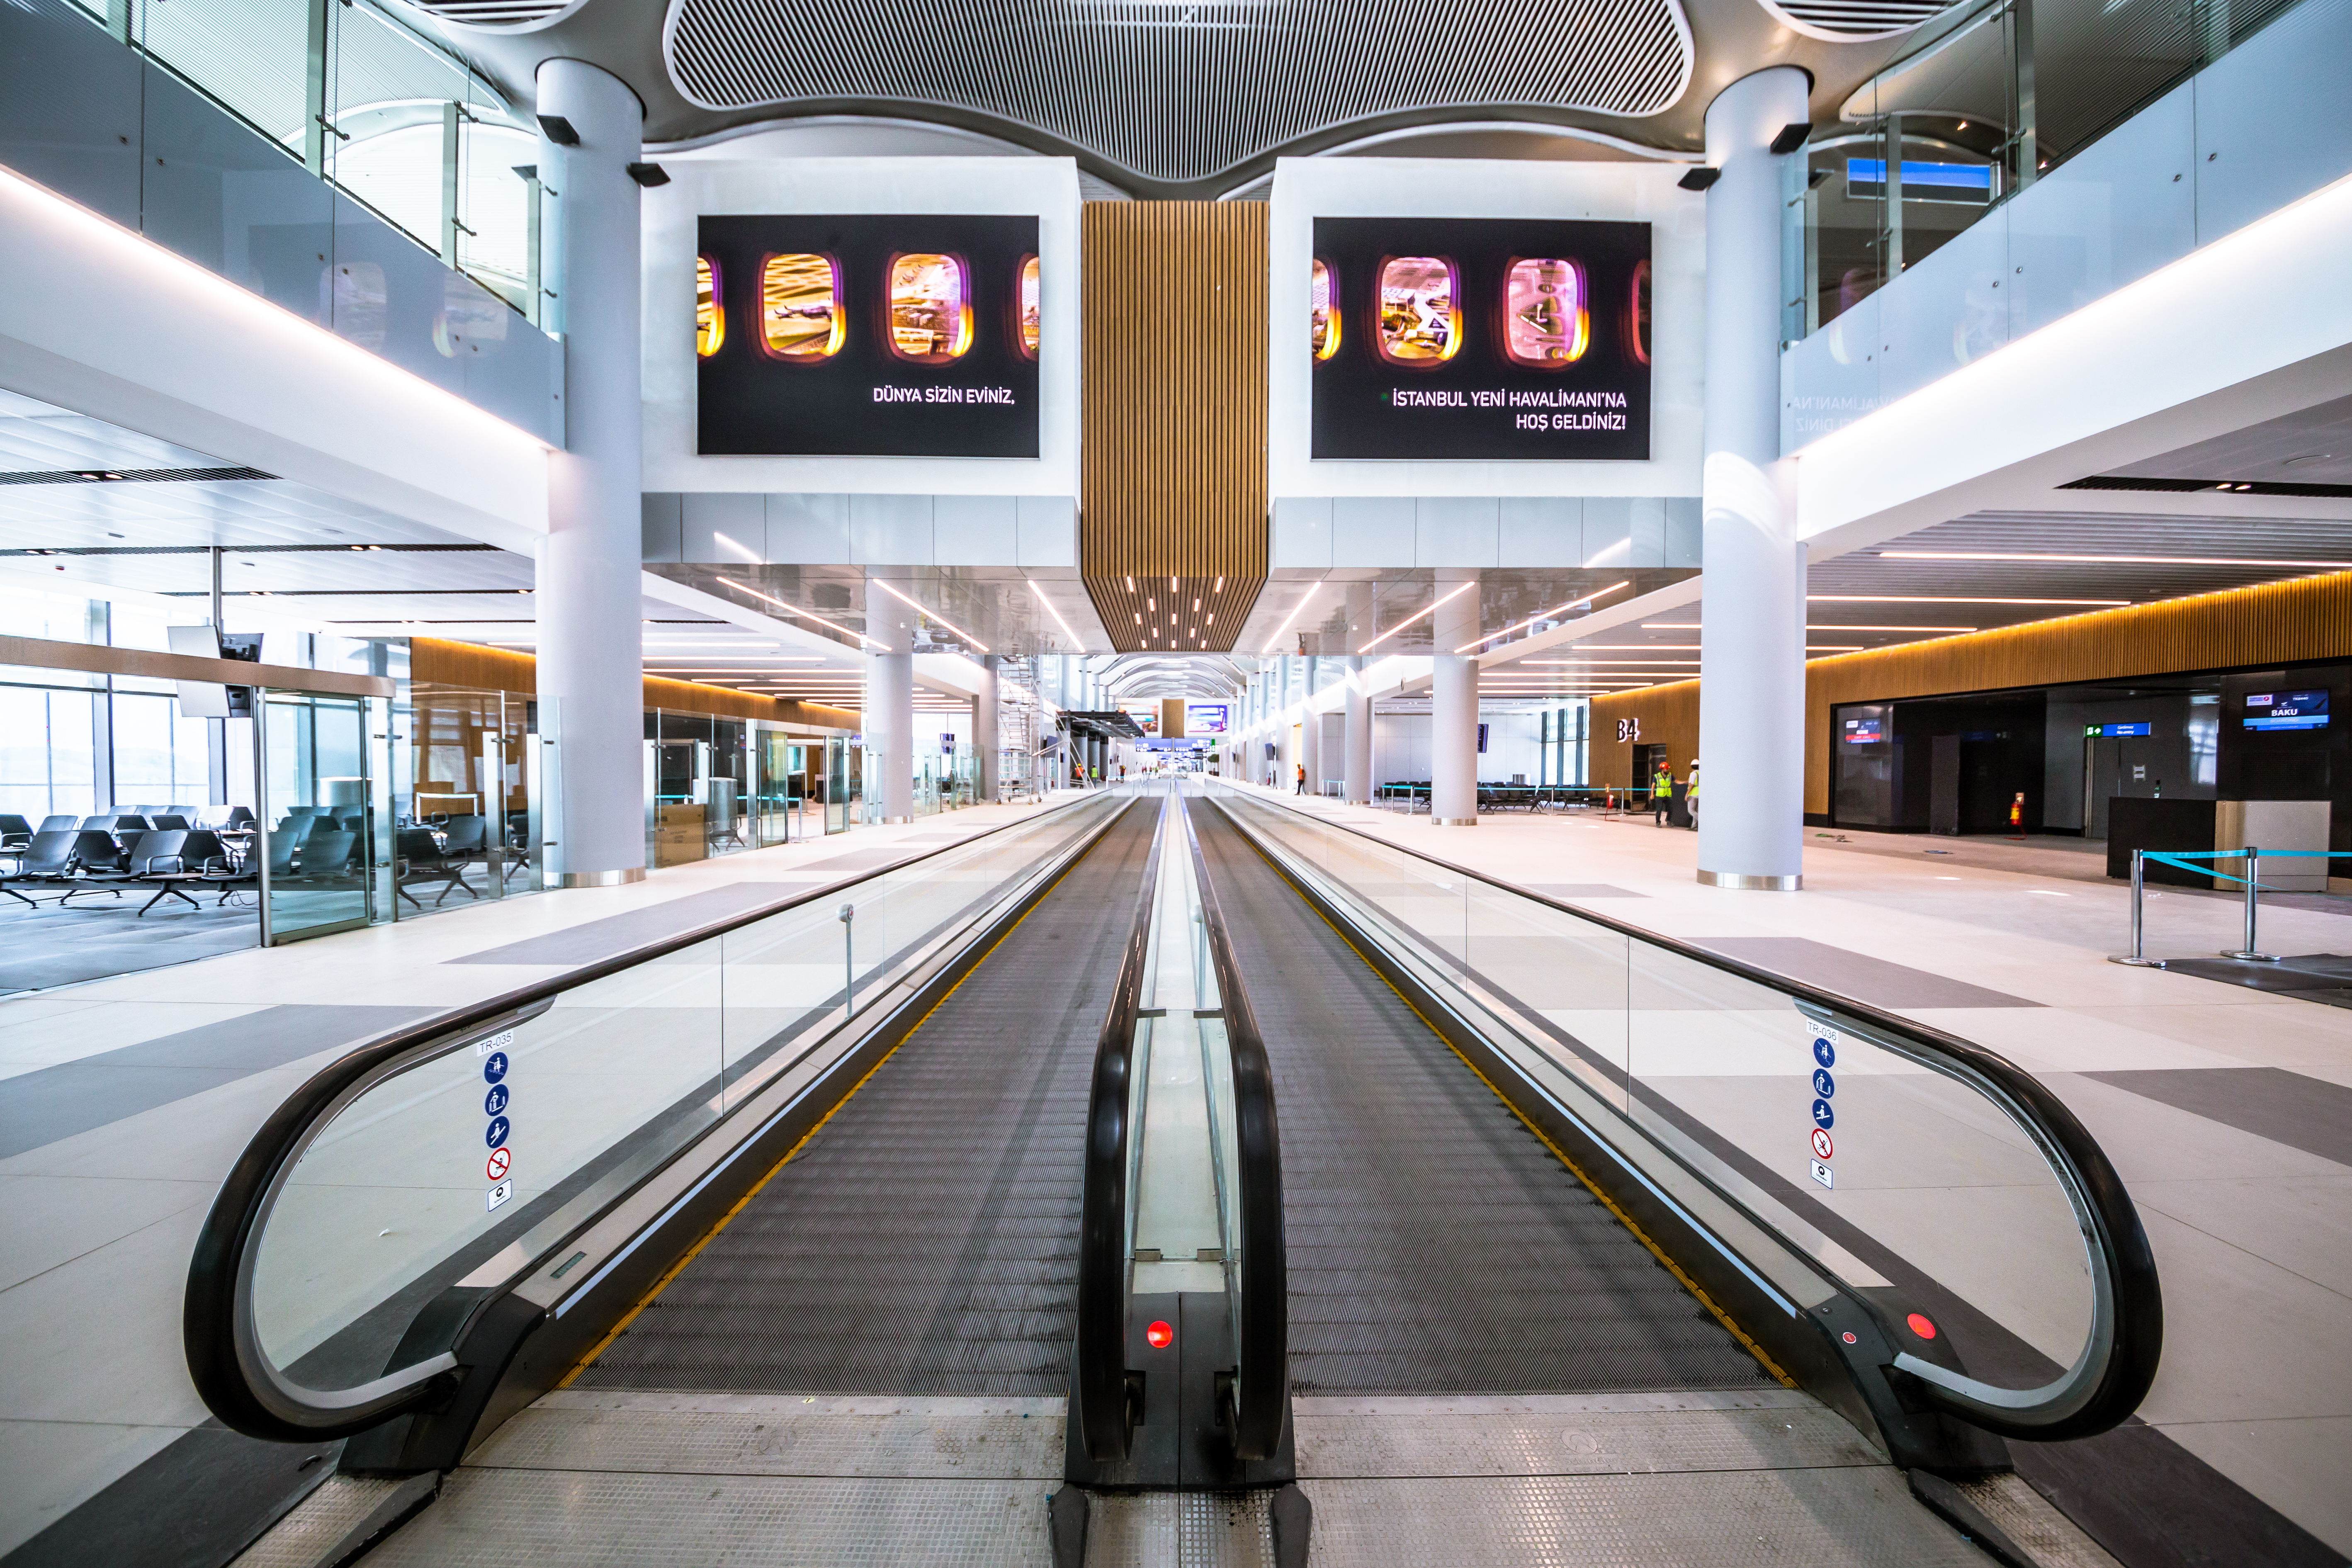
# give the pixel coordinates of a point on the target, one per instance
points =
(1841, 21)
(1179, 90)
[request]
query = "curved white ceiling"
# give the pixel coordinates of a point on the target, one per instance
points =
(1181, 90)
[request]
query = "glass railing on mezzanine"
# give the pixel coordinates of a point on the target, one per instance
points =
(2025, 157)
(1903, 1220)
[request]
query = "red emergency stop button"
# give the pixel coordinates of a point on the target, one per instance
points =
(1160, 1336)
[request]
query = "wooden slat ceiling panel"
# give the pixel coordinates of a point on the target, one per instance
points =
(1173, 479)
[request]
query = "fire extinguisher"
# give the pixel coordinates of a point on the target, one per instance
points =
(2017, 816)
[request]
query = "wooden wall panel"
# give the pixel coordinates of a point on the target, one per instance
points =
(500, 670)
(2272, 624)
(1173, 473)
(1668, 716)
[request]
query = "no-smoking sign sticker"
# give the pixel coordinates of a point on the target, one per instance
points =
(501, 1159)
(1822, 1147)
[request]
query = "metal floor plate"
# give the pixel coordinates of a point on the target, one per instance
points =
(658, 1478)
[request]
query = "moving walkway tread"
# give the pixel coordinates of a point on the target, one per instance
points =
(1435, 1244)
(924, 1240)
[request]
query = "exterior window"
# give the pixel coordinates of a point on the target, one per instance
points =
(1421, 311)
(709, 313)
(1032, 318)
(801, 313)
(930, 308)
(1548, 323)
(1637, 313)
(1324, 312)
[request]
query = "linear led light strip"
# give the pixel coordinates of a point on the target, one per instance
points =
(1417, 616)
(924, 610)
(1941, 599)
(1296, 612)
(1076, 641)
(1531, 620)
(1693, 626)
(796, 610)
(2102, 560)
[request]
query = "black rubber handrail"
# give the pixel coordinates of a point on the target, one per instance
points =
(212, 1323)
(1106, 1414)
(2135, 1333)
(1262, 1391)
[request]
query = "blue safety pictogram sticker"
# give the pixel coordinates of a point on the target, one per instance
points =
(1823, 1084)
(494, 1066)
(1824, 1052)
(1822, 1115)
(496, 1133)
(496, 1100)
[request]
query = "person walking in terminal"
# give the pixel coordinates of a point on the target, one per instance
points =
(1690, 796)
(1662, 793)
(1302, 779)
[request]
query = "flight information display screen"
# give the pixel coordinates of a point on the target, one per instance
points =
(1480, 338)
(899, 335)
(2286, 710)
(1865, 731)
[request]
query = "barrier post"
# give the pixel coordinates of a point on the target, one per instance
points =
(2254, 884)
(2137, 957)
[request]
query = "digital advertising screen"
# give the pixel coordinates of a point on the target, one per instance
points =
(901, 335)
(1205, 717)
(1865, 731)
(1480, 338)
(2286, 710)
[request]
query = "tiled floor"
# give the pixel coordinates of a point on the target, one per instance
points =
(2222, 1107)
(124, 1101)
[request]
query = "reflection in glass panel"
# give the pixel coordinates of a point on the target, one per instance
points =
(1032, 320)
(318, 804)
(930, 308)
(1421, 311)
(801, 312)
(1548, 322)
(1324, 311)
(1637, 313)
(709, 311)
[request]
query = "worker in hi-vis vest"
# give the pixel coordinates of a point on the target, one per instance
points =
(1662, 793)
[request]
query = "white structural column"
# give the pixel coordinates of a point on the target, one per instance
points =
(1752, 620)
(1310, 727)
(1453, 705)
(889, 717)
(1357, 771)
(590, 616)
(987, 745)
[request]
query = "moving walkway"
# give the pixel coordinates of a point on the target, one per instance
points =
(991, 1137)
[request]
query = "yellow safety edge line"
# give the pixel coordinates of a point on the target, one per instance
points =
(1557, 1153)
(675, 1269)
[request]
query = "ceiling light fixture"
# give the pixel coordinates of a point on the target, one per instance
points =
(1943, 599)
(796, 610)
(2104, 560)
(1531, 620)
(1293, 615)
(933, 614)
(1075, 640)
(1417, 616)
